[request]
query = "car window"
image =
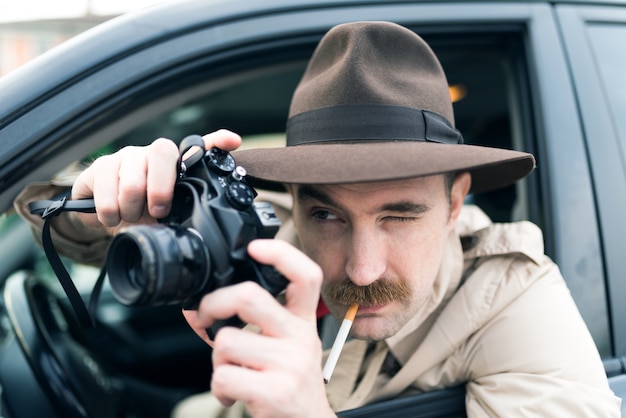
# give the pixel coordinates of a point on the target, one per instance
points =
(608, 42)
(485, 75)
(487, 83)
(484, 84)
(251, 104)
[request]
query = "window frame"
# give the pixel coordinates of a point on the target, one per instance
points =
(603, 145)
(67, 123)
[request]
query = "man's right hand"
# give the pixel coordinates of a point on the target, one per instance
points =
(136, 184)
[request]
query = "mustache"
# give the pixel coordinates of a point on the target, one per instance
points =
(380, 292)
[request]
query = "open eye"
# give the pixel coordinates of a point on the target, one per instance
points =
(324, 215)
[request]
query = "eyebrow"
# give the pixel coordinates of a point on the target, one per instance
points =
(310, 192)
(402, 206)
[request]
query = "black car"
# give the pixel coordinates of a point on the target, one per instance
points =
(540, 76)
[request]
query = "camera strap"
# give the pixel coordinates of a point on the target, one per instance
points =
(48, 209)
(185, 160)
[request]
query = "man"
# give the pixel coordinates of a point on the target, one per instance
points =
(378, 176)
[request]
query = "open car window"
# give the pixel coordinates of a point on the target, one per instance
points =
(251, 95)
(252, 99)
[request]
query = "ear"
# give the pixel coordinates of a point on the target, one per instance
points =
(460, 188)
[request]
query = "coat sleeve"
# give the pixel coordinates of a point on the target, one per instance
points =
(71, 237)
(536, 357)
(74, 240)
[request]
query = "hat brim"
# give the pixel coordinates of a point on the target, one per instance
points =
(491, 168)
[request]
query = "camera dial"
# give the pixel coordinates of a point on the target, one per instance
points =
(220, 161)
(239, 195)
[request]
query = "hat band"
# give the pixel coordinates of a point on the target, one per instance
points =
(363, 122)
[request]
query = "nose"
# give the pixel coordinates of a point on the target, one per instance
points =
(367, 258)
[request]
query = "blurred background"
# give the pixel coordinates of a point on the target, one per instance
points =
(30, 27)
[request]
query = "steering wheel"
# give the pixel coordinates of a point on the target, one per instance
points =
(44, 371)
(48, 369)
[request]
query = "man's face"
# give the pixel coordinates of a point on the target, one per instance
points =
(379, 244)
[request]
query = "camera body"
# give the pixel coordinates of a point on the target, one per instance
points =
(201, 245)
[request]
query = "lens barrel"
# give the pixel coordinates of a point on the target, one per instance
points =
(157, 264)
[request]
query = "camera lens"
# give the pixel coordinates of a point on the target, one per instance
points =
(156, 265)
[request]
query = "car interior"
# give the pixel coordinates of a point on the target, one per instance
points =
(147, 359)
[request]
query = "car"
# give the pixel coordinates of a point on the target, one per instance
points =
(539, 76)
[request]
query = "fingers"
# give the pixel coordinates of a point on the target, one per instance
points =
(101, 176)
(161, 171)
(136, 184)
(286, 353)
(223, 139)
(256, 306)
(232, 346)
(133, 183)
(191, 318)
(126, 200)
(248, 301)
(279, 391)
(264, 397)
(249, 367)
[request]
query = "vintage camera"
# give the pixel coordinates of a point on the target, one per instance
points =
(201, 245)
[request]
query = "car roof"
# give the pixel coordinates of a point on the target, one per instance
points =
(124, 34)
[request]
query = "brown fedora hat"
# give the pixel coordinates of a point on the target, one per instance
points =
(373, 104)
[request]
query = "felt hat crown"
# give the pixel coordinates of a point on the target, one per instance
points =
(373, 104)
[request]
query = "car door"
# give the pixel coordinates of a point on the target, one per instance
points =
(594, 37)
(194, 67)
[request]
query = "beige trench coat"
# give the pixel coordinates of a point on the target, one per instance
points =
(500, 320)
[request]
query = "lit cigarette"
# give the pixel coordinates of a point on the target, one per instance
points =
(340, 340)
